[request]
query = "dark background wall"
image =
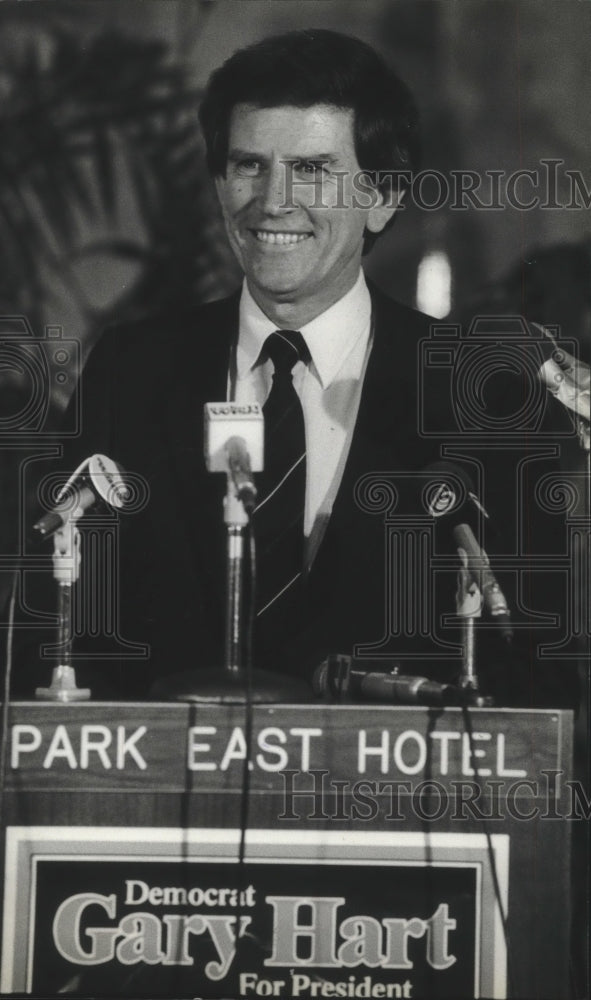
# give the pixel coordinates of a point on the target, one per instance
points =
(502, 86)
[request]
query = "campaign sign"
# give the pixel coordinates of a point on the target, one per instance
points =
(171, 913)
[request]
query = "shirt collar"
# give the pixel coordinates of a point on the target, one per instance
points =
(330, 337)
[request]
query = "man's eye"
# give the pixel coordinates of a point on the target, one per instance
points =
(312, 169)
(248, 167)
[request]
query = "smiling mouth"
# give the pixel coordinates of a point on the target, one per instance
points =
(279, 239)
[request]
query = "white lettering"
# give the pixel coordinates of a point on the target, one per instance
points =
(22, 745)
(97, 739)
(502, 771)
(320, 932)
(140, 934)
(422, 752)
(66, 929)
(364, 751)
(306, 735)
(141, 942)
(444, 737)
(194, 748)
(131, 898)
(467, 754)
(263, 741)
(127, 746)
(235, 750)
(60, 746)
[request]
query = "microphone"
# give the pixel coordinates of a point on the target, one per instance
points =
(479, 568)
(234, 443)
(241, 472)
(450, 494)
(338, 676)
(104, 480)
(449, 488)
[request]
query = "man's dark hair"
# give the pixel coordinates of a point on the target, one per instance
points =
(315, 66)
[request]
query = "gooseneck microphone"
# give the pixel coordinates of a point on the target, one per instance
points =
(102, 478)
(340, 677)
(478, 566)
(450, 496)
(80, 499)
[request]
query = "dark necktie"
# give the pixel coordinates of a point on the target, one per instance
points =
(279, 515)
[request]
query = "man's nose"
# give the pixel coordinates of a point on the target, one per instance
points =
(274, 196)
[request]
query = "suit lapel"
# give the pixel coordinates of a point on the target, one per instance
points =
(385, 438)
(200, 376)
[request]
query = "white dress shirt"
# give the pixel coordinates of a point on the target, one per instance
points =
(329, 387)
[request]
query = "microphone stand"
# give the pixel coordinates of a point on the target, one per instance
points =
(468, 608)
(236, 521)
(66, 570)
(233, 683)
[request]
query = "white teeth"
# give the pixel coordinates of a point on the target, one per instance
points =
(264, 236)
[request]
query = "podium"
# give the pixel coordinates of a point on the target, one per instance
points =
(368, 851)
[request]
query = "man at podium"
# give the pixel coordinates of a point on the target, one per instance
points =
(313, 143)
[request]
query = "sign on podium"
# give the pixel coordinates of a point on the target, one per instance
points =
(366, 851)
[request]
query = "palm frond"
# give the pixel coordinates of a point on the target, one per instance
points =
(84, 133)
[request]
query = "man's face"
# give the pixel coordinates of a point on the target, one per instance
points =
(294, 219)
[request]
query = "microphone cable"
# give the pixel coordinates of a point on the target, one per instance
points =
(467, 720)
(248, 729)
(248, 721)
(6, 691)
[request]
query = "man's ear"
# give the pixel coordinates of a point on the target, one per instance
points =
(382, 210)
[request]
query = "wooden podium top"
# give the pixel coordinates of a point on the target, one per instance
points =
(166, 747)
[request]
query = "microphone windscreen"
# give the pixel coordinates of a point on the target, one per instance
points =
(226, 421)
(449, 497)
(107, 479)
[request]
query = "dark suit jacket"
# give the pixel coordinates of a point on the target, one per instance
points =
(371, 589)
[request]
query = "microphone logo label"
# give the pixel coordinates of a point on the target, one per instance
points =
(440, 499)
